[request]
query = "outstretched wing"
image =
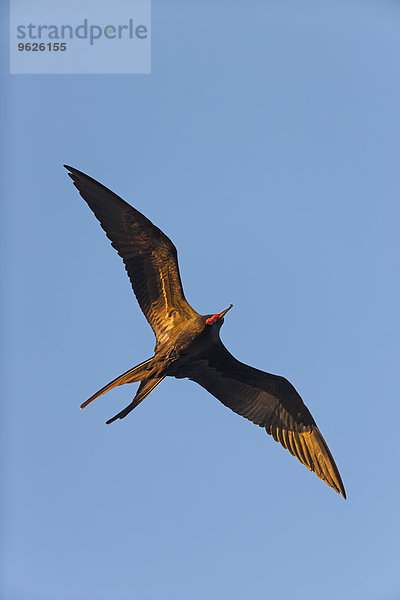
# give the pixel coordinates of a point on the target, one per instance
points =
(149, 256)
(269, 401)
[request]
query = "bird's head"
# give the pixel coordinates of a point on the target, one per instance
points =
(218, 318)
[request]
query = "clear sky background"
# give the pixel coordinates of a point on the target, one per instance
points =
(266, 145)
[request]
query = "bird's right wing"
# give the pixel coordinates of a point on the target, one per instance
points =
(149, 256)
(267, 400)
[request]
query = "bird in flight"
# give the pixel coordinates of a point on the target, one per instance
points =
(188, 344)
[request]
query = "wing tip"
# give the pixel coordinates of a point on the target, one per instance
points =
(74, 174)
(77, 175)
(71, 170)
(341, 491)
(330, 473)
(338, 486)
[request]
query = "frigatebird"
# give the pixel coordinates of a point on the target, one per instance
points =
(188, 344)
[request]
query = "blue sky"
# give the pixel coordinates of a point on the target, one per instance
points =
(266, 145)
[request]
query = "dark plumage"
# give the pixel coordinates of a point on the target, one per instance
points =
(188, 344)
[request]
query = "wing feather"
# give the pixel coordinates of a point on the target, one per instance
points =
(269, 401)
(149, 256)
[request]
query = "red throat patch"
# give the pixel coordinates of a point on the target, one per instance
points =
(211, 320)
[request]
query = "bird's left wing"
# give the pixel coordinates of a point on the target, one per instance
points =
(149, 256)
(267, 400)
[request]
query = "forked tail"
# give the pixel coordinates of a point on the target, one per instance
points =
(137, 373)
(144, 390)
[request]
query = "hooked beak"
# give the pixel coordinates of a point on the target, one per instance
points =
(218, 316)
(223, 313)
